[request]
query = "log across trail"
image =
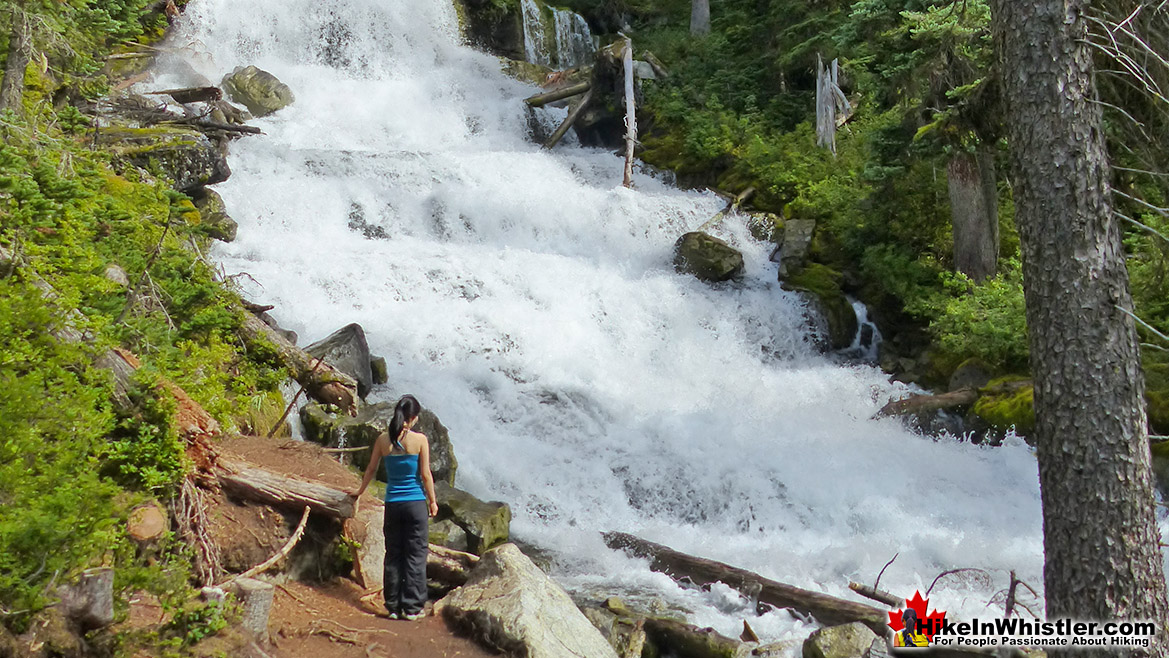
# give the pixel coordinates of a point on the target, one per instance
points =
(828, 610)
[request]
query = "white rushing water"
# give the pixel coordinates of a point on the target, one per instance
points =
(530, 301)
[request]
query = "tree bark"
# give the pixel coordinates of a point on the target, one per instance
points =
(1103, 559)
(974, 212)
(699, 18)
(828, 610)
(12, 87)
(252, 483)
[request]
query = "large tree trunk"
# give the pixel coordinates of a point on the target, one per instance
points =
(974, 212)
(12, 87)
(1103, 559)
(699, 18)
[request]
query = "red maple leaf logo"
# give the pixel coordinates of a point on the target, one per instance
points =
(930, 623)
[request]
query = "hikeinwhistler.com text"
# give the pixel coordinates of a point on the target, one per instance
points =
(1016, 632)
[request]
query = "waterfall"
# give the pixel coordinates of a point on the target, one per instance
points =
(536, 45)
(530, 301)
(574, 40)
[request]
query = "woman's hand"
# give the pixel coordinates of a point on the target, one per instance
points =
(433, 508)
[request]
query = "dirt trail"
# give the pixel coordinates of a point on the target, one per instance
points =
(326, 619)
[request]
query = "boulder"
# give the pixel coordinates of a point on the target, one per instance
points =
(972, 373)
(486, 524)
(116, 275)
(182, 156)
(448, 533)
(844, 641)
(497, 28)
(707, 257)
(347, 351)
(511, 605)
(796, 242)
(823, 285)
(257, 90)
(676, 638)
(767, 227)
(533, 74)
(1006, 403)
(147, 523)
(89, 602)
(377, 367)
(213, 217)
(337, 431)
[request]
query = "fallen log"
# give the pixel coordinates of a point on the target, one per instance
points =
(923, 403)
(324, 382)
(542, 99)
(878, 595)
(191, 94)
(828, 610)
(733, 204)
(207, 124)
(655, 64)
(570, 119)
(253, 483)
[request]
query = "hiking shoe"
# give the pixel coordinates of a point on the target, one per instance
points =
(413, 616)
(394, 615)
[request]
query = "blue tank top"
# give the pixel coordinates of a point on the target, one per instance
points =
(402, 481)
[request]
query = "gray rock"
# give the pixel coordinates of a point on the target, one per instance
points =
(448, 533)
(117, 275)
(973, 373)
(511, 605)
(257, 90)
(184, 157)
(497, 28)
(844, 641)
(89, 602)
(213, 215)
(797, 240)
(335, 431)
(347, 351)
(766, 227)
(255, 598)
(381, 374)
(486, 524)
(707, 257)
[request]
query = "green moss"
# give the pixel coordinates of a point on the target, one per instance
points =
(1007, 402)
(825, 283)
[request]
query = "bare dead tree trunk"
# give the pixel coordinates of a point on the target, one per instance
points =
(974, 212)
(699, 18)
(630, 113)
(1103, 558)
(12, 87)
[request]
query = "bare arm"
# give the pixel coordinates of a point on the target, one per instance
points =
(375, 461)
(427, 476)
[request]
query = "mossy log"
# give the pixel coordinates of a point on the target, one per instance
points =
(320, 380)
(826, 609)
(253, 483)
(923, 403)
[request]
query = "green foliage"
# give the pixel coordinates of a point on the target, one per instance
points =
(985, 320)
(196, 622)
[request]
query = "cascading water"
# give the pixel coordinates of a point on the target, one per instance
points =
(530, 301)
(563, 42)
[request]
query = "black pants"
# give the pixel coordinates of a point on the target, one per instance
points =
(407, 544)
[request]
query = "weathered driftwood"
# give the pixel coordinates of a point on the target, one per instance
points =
(879, 595)
(733, 204)
(630, 113)
(826, 609)
(542, 99)
(323, 382)
(191, 94)
(12, 87)
(570, 119)
(253, 483)
(923, 403)
(204, 124)
(655, 64)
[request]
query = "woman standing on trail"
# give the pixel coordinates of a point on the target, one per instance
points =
(409, 501)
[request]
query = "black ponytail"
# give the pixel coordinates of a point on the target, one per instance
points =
(406, 410)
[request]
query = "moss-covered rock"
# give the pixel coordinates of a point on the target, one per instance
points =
(766, 227)
(971, 373)
(671, 637)
(524, 71)
(497, 27)
(381, 373)
(332, 430)
(184, 157)
(448, 533)
(707, 257)
(824, 285)
(1005, 403)
(257, 90)
(486, 524)
(213, 215)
